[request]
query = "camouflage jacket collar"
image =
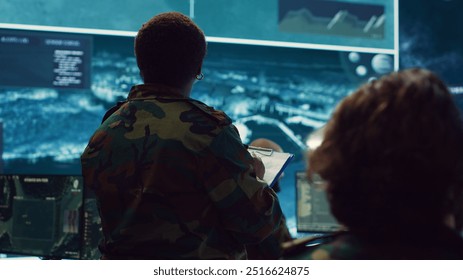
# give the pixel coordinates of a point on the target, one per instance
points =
(165, 93)
(146, 91)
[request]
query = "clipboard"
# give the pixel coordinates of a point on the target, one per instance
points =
(274, 162)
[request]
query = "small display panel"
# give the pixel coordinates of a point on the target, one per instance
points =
(312, 208)
(41, 215)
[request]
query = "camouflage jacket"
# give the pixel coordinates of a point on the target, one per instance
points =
(174, 181)
(270, 248)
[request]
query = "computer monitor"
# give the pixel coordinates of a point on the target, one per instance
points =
(40, 215)
(54, 89)
(312, 207)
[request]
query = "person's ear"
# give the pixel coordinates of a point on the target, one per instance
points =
(199, 75)
(200, 69)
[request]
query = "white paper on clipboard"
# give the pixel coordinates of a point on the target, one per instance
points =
(273, 161)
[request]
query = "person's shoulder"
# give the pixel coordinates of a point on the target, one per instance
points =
(217, 116)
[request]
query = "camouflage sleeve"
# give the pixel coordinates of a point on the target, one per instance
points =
(108, 175)
(103, 163)
(270, 248)
(90, 157)
(249, 209)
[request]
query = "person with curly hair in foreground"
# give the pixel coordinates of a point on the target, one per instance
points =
(392, 160)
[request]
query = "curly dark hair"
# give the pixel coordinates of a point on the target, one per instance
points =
(392, 155)
(170, 49)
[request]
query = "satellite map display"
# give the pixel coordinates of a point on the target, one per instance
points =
(278, 93)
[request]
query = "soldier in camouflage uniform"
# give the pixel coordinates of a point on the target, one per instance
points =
(171, 175)
(392, 158)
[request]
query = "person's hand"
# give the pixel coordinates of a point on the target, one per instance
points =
(259, 167)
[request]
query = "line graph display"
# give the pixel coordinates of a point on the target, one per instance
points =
(332, 18)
